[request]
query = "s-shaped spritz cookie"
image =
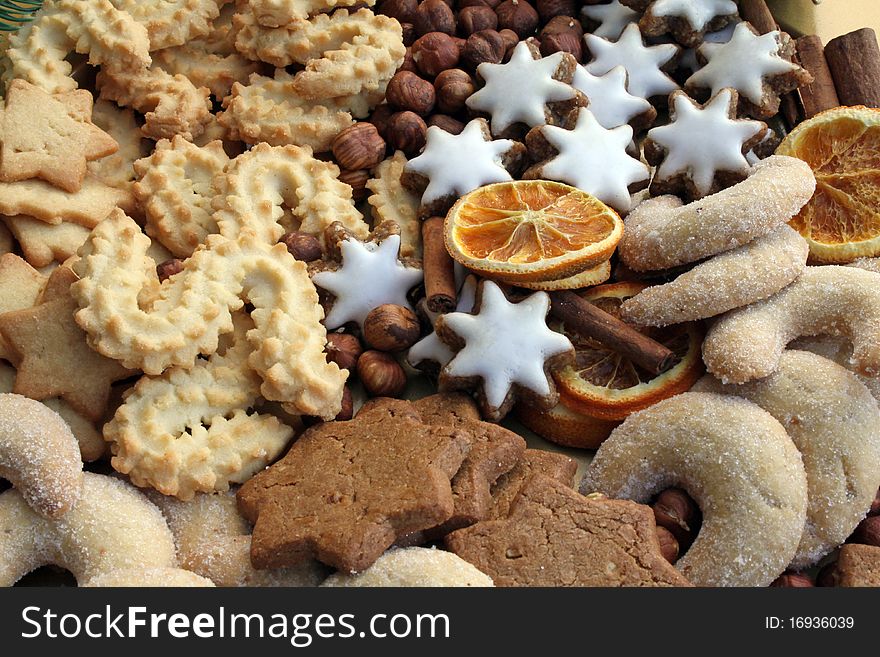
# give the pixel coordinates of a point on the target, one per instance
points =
(453, 165)
(702, 150)
(590, 158)
(759, 67)
(611, 19)
(645, 65)
(505, 349)
(528, 89)
(610, 102)
(686, 20)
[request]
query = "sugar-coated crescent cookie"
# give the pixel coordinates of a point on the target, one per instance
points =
(835, 424)
(747, 343)
(39, 455)
(112, 527)
(414, 566)
(662, 233)
(731, 279)
(739, 465)
(152, 577)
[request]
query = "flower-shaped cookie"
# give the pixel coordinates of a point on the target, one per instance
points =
(686, 20)
(506, 350)
(702, 150)
(589, 157)
(644, 64)
(610, 102)
(759, 67)
(453, 165)
(524, 89)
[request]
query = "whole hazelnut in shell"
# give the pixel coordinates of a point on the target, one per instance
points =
(407, 91)
(344, 349)
(434, 16)
(435, 52)
(519, 16)
(390, 327)
(406, 131)
(380, 374)
(302, 246)
(359, 146)
(452, 89)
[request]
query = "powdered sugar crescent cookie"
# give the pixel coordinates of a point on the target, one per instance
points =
(391, 201)
(835, 424)
(288, 340)
(838, 349)
(747, 343)
(39, 455)
(112, 527)
(759, 67)
(414, 566)
(262, 181)
(152, 577)
(687, 20)
(738, 464)
(729, 280)
(661, 233)
(37, 51)
(702, 150)
(541, 81)
(191, 430)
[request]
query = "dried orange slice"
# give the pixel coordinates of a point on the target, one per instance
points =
(603, 384)
(842, 146)
(531, 230)
(587, 278)
(564, 426)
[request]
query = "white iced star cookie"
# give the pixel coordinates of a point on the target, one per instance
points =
(453, 165)
(702, 150)
(431, 351)
(590, 158)
(759, 67)
(505, 350)
(687, 20)
(643, 64)
(610, 102)
(688, 61)
(611, 18)
(370, 275)
(521, 90)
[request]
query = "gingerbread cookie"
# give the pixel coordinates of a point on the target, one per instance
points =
(686, 20)
(702, 150)
(759, 67)
(453, 165)
(553, 465)
(505, 350)
(556, 537)
(610, 102)
(645, 65)
(347, 490)
(858, 565)
(590, 158)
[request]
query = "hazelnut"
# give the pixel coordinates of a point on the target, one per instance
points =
(478, 3)
(519, 16)
(168, 268)
(408, 30)
(407, 91)
(476, 18)
(357, 180)
(867, 531)
(390, 327)
(562, 34)
(875, 505)
(453, 87)
(380, 374)
(548, 9)
(828, 575)
(446, 122)
(380, 116)
(435, 52)
(677, 512)
(302, 246)
(668, 544)
(483, 46)
(347, 410)
(344, 349)
(359, 146)
(408, 63)
(406, 132)
(434, 16)
(793, 581)
(510, 39)
(403, 10)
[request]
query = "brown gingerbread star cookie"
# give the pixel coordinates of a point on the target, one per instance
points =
(49, 136)
(347, 490)
(554, 465)
(858, 565)
(53, 359)
(554, 536)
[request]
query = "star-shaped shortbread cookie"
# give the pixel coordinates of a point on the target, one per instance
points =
(589, 157)
(702, 150)
(520, 90)
(49, 136)
(506, 346)
(643, 64)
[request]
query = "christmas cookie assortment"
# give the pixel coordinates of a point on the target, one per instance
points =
(437, 293)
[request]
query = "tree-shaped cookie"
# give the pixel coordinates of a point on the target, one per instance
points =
(346, 491)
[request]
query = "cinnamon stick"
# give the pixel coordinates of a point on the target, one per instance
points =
(854, 61)
(820, 95)
(758, 14)
(438, 267)
(580, 316)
